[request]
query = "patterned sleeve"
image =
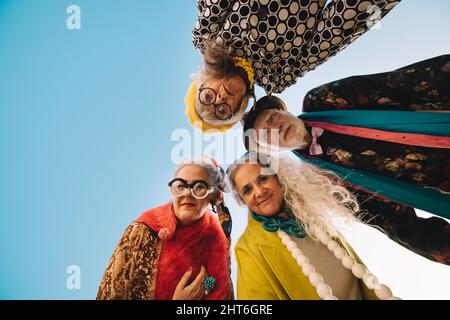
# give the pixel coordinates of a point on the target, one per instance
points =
(119, 281)
(419, 86)
(340, 23)
(211, 17)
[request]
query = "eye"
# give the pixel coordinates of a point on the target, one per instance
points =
(207, 96)
(178, 184)
(245, 190)
(263, 179)
(200, 186)
(273, 118)
(178, 187)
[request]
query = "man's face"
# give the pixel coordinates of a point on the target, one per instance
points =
(278, 128)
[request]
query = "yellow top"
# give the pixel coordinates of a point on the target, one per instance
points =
(267, 271)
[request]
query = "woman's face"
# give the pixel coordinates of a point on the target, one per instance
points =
(229, 92)
(291, 130)
(261, 193)
(187, 208)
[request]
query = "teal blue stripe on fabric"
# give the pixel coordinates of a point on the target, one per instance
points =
(431, 123)
(421, 198)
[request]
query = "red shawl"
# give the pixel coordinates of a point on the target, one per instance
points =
(202, 243)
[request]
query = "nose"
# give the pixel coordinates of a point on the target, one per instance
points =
(259, 192)
(187, 193)
(221, 94)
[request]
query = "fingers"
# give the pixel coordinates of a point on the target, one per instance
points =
(184, 280)
(197, 285)
(200, 277)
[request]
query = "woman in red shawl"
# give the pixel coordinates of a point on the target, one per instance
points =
(177, 250)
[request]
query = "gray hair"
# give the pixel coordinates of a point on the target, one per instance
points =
(216, 176)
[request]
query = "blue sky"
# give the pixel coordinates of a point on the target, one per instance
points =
(86, 118)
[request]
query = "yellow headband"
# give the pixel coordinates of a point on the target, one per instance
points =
(194, 118)
(247, 66)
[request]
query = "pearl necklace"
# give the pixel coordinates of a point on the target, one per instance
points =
(323, 290)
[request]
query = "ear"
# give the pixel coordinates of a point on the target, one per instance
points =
(244, 116)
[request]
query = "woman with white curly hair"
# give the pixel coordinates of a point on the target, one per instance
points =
(291, 248)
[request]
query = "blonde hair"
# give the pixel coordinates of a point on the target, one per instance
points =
(313, 196)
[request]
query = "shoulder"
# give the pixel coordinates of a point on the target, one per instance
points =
(212, 221)
(255, 234)
(215, 232)
(252, 239)
(137, 234)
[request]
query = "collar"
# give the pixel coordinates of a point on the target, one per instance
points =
(274, 223)
(161, 220)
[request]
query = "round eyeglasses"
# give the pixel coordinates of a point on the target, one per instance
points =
(199, 188)
(207, 97)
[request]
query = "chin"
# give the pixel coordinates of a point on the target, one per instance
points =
(269, 211)
(300, 140)
(188, 216)
(188, 220)
(302, 146)
(290, 146)
(295, 144)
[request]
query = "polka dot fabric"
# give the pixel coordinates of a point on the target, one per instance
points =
(284, 39)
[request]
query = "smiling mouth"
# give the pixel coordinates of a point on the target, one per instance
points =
(265, 200)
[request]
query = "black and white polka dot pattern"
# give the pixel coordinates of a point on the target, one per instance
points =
(284, 39)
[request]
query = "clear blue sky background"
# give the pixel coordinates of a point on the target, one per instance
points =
(86, 118)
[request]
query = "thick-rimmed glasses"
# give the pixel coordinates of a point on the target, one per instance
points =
(208, 96)
(199, 188)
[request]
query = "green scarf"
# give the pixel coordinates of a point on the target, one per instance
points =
(273, 224)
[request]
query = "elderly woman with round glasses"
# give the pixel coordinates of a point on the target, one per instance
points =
(178, 250)
(218, 102)
(209, 99)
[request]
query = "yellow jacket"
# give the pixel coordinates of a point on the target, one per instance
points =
(267, 271)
